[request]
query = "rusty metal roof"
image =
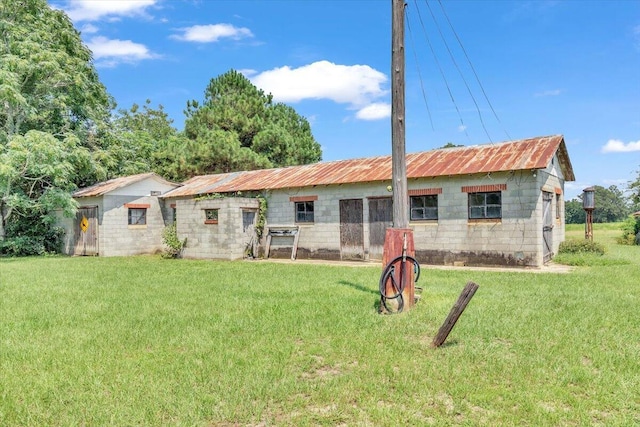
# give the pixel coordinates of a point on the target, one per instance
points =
(526, 154)
(105, 187)
(203, 184)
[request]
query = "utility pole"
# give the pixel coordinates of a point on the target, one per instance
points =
(398, 153)
(398, 240)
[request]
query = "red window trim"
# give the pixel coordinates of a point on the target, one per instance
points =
(483, 188)
(137, 205)
(303, 199)
(425, 192)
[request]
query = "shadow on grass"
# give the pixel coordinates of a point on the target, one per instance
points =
(359, 287)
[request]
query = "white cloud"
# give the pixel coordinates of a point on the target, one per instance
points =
(89, 29)
(462, 128)
(248, 72)
(375, 111)
(359, 86)
(110, 52)
(617, 146)
(93, 10)
(552, 92)
(212, 33)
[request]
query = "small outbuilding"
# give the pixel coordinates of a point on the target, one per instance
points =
(119, 217)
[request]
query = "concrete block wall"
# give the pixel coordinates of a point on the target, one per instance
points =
(322, 237)
(516, 239)
(224, 240)
(117, 238)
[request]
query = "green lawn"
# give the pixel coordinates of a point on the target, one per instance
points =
(148, 341)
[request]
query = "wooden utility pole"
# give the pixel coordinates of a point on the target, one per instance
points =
(398, 153)
(399, 239)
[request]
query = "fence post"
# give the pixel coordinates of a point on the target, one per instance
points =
(455, 313)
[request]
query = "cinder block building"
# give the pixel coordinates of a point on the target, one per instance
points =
(494, 205)
(119, 217)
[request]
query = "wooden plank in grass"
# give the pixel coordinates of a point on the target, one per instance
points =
(455, 313)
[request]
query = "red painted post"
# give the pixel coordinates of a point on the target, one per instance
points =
(394, 243)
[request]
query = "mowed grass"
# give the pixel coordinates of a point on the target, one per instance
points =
(148, 341)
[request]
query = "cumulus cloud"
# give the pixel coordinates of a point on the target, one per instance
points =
(110, 52)
(92, 10)
(212, 33)
(375, 111)
(358, 86)
(551, 92)
(617, 146)
(462, 128)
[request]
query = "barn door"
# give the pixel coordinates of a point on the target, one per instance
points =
(351, 229)
(86, 231)
(547, 226)
(380, 218)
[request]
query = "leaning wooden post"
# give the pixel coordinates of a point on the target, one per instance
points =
(455, 313)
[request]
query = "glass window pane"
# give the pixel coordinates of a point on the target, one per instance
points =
(494, 211)
(476, 212)
(493, 198)
(431, 201)
(476, 199)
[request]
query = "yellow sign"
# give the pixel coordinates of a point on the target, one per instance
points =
(84, 224)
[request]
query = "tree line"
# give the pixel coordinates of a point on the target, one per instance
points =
(61, 130)
(611, 205)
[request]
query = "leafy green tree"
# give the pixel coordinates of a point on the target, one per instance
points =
(47, 80)
(611, 206)
(573, 211)
(239, 127)
(451, 145)
(36, 176)
(52, 109)
(634, 188)
(143, 139)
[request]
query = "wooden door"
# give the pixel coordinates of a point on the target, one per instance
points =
(86, 231)
(380, 218)
(547, 226)
(351, 229)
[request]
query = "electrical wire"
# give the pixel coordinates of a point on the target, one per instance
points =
(455, 63)
(484, 93)
(435, 57)
(415, 55)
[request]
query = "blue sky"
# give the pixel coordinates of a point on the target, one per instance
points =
(476, 71)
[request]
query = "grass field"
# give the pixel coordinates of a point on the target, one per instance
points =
(148, 341)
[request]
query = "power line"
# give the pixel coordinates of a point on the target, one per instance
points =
(435, 57)
(415, 55)
(455, 63)
(473, 69)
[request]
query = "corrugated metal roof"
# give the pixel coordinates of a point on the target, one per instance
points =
(203, 184)
(533, 153)
(105, 187)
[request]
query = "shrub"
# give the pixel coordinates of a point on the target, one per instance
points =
(173, 244)
(581, 247)
(630, 231)
(31, 235)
